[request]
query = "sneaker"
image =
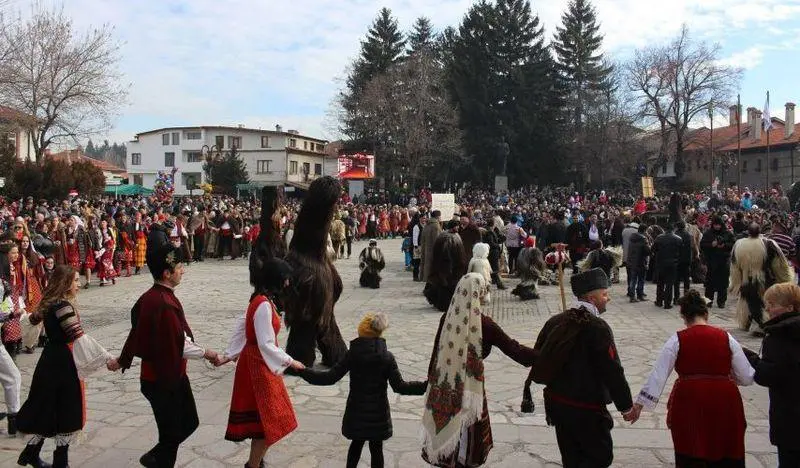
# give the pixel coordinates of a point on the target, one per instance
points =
(634, 300)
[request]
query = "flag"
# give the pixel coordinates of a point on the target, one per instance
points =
(765, 117)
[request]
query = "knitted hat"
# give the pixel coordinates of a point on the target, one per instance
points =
(373, 325)
(588, 281)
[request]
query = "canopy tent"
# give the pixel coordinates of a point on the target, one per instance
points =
(127, 190)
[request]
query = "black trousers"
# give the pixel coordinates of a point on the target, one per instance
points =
(375, 452)
(584, 436)
(513, 253)
(199, 244)
(682, 277)
(225, 245)
(717, 278)
(176, 417)
(788, 458)
(349, 240)
(666, 284)
(415, 265)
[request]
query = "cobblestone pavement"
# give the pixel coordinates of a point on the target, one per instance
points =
(120, 425)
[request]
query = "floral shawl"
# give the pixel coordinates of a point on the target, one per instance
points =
(454, 399)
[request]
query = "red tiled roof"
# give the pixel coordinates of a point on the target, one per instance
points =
(700, 139)
(777, 136)
(77, 155)
(12, 115)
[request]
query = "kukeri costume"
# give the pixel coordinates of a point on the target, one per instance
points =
(371, 262)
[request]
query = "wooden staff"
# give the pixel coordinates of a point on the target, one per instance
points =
(560, 248)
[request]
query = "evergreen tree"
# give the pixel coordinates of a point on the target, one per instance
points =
(421, 36)
(577, 44)
(382, 47)
(225, 172)
(89, 151)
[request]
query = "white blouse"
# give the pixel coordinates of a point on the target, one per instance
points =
(276, 359)
(741, 370)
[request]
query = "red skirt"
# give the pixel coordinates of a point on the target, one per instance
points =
(90, 262)
(74, 256)
(260, 405)
(706, 418)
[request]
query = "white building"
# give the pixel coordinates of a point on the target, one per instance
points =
(18, 128)
(273, 157)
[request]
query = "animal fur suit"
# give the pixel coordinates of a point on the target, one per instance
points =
(315, 283)
(371, 263)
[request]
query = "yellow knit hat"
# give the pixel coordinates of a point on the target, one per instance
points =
(372, 325)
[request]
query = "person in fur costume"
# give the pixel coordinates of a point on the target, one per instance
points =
(371, 262)
(338, 237)
(316, 285)
(606, 259)
(269, 243)
(531, 268)
(448, 265)
(756, 264)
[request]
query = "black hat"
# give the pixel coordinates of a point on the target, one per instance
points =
(588, 281)
(161, 258)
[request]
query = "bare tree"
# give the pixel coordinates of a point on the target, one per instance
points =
(69, 82)
(411, 110)
(675, 84)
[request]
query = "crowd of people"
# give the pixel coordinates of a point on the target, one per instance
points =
(745, 244)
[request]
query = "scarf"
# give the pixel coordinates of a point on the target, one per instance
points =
(454, 398)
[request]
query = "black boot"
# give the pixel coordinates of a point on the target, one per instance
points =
(61, 457)
(12, 424)
(30, 456)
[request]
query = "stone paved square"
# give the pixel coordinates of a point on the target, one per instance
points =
(120, 425)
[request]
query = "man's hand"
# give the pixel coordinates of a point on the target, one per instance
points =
(112, 365)
(221, 361)
(632, 415)
(211, 356)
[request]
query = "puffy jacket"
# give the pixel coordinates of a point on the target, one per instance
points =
(371, 366)
(778, 368)
(667, 249)
(721, 254)
(685, 257)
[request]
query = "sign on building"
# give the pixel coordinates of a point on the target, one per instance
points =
(648, 190)
(356, 166)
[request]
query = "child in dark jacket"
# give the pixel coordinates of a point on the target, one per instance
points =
(777, 369)
(367, 417)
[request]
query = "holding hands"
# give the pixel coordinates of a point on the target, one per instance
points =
(633, 414)
(112, 365)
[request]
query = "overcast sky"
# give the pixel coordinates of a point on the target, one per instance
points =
(266, 62)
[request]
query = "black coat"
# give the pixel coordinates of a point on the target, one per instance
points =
(371, 366)
(685, 257)
(721, 254)
(667, 249)
(638, 251)
(779, 369)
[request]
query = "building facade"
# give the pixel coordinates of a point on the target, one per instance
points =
(19, 130)
(272, 157)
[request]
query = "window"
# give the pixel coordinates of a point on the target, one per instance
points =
(292, 167)
(262, 166)
(193, 135)
(264, 141)
(305, 145)
(317, 169)
(758, 165)
(292, 143)
(234, 142)
(220, 142)
(136, 159)
(138, 179)
(165, 139)
(190, 179)
(320, 147)
(306, 168)
(775, 165)
(176, 138)
(663, 168)
(744, 166)
(169, 159)
(698, 164)
(194, 157)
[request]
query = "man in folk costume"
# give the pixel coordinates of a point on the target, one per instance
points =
(756, 264)
(198, 226)
(161, 337)
(371, 262)
(579, 365)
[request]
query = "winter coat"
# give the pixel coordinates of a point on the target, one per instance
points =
(685, 257)
(667, 248)
(371, 366)
(426, 240)
(629, 230)
(638, 251)
(777, 369)
(721, 254)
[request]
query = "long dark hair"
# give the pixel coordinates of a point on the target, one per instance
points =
(57, 290)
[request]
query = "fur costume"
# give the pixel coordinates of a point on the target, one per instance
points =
(448, 265)
(606, 259)
(756, 264)
(531, 267)
(338, 237)
(315, 284)
(269, 243)
(371, 262)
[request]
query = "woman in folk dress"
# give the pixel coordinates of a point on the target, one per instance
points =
(56, 404)
(705, 412)
(105, 269)
(260, 406)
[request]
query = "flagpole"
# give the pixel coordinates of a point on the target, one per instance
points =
(769, 127)
(739, 142)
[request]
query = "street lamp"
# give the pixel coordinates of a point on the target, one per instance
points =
(190, 184)
(207, 151)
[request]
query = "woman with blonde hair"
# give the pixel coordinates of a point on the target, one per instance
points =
(56, 403)
(777, 367)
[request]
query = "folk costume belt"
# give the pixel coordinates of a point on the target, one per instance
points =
(554, 397)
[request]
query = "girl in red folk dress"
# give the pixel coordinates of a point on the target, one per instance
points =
(705, 412)
(260, 406)
(106, 271)
(127, 252)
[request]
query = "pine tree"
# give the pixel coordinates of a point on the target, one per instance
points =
(577, 43)
(226, 172)
(421, 36)
(382, 48)
(89, 151)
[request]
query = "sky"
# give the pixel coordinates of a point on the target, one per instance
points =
(265, 62)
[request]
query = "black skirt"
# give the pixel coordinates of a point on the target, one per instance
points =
(55, 403)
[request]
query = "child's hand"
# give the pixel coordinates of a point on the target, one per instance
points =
(297, 365)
